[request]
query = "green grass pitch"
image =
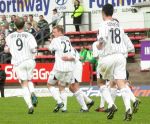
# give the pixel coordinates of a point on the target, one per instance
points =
(14, 111)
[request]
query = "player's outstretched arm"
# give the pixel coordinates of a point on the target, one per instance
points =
(67, 58)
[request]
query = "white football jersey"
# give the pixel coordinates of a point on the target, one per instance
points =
(112, 37)
(21, 46)
(96, 51)
(129, 45)
(62, 47)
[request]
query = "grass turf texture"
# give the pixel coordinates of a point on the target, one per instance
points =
(14, 111)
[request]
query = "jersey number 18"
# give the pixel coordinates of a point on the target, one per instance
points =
(115, 35)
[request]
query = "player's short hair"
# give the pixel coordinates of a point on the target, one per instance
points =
(108, 9)
(19, 23)
(59, 28)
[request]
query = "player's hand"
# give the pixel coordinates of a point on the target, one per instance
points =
(100, 46)
(65, 58)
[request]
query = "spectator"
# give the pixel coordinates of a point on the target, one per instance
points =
(12, 26)
(55, 18)
(4, 21)
(77, 14)
(90, 58)
(2, 42)
(2, 81)
(43, 24)
(4, 57)
(83, 53)
(4, 30)
(25, 17)
(32, 21)
(30, 29)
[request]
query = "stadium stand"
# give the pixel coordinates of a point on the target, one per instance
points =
(86, 39)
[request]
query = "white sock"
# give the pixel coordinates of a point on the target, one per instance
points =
(63, 95)
(106, 94)
(27, 96)
(55, 94)
(79, 96)
(113, 92)
(102, 101)
(132, 97)
(126, 98)
(86, 98)
(31, 87)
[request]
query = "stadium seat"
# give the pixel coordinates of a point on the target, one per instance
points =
(137, 45)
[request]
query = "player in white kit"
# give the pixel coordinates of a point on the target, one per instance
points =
(75, 86)
(63, 68)
(113, 61)
(96, 53)
(22, 46)
(112, 85)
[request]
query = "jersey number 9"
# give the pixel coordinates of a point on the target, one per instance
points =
(19, 44)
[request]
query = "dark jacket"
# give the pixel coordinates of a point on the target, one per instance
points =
(2, 76)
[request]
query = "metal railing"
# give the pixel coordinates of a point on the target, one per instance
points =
(89, 23)
(42, 30)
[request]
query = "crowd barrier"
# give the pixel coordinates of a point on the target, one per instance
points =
(42, 71)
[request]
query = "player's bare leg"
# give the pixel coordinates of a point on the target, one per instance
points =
(56, 95)
(27, 96)
(79, 96)
(32, 91)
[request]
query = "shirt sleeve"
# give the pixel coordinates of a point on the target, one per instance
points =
(32, 42)
(102, 33)
(95, 50)
(53, 45)
(129, 44)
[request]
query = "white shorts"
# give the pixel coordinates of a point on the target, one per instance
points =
(24, 71)
(113, 67)
(63, 77)
(77, 72)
